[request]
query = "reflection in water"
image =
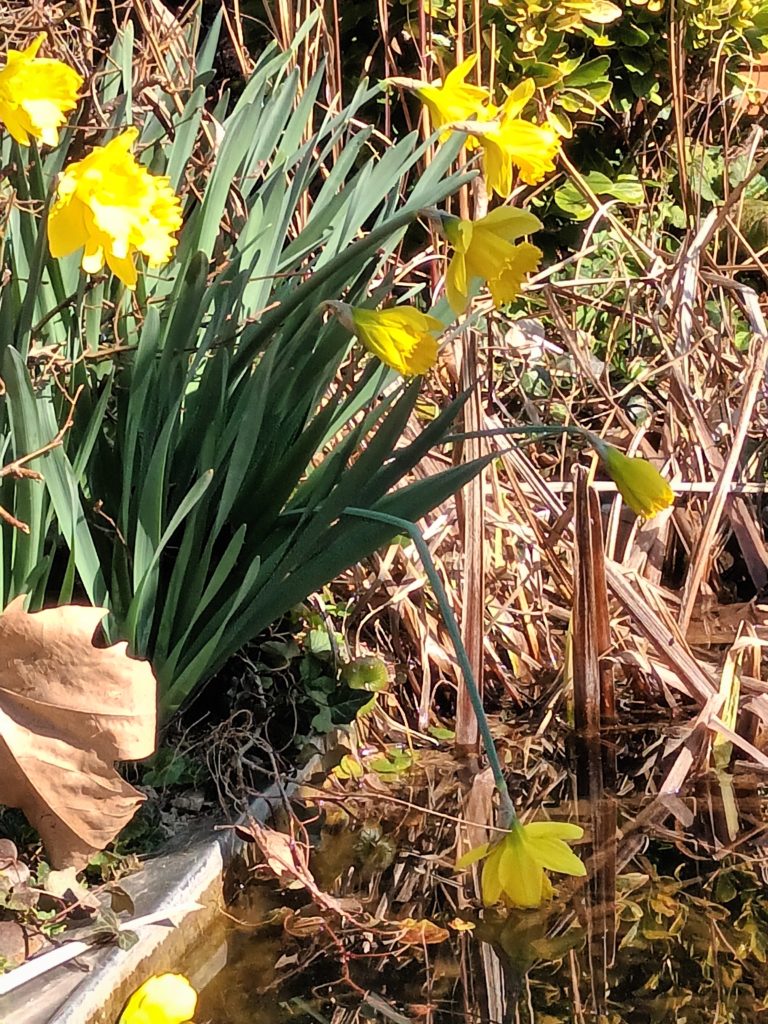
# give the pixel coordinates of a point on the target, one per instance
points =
(671, 924)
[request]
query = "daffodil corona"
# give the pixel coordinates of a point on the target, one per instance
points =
(402, 337)
(640, 484)
(162, 999)
(513, 872)
(109, 205)
(483, 249)
(36, 93)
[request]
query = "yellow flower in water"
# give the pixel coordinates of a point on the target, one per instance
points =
(640, 484)
(110, 206)
(516, 143)
(402, 337)
(513, 871)
(162, 999)
(36, 93)
(454, 100)
(483, 249)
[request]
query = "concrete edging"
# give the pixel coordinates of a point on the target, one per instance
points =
(191, 871)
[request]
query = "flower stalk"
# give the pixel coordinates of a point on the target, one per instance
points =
(507, 813)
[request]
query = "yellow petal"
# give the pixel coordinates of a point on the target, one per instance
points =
(509, 223)
(522, 878)
(456, 285)
(66, 228)
(553, 830)
(472, 856)
(490, 882)
(555, 855)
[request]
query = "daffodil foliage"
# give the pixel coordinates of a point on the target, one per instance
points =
(201, 488)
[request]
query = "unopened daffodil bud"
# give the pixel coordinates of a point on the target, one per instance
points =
(639, 483)
(403, 338)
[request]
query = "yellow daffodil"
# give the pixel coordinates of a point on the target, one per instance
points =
(514, 866)
(36, 93)
(402, 337)
(109, 205)
(162, 999)
(511, 142)
(483, 249)
(640, 484)
(454, 99)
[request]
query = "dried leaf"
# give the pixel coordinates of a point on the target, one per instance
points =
(68, 711)
(421, 932)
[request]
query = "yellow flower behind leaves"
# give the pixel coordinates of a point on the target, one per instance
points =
(640, 484)
(109, 205)
(516, 143)
(513, 872)
(162, 999)
(36, 93)
(402, 337)
(483, 249)
(454, 99)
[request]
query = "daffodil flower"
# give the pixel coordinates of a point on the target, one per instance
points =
(109, 205)
(514, 867)
(640, 484)
(36, 93)
(453, 99)
(402, 337)
(483, 249)
(162, 999)
(509, 142)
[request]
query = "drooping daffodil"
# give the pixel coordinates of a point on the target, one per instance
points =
(639, 483)
(452, 99)
(508, 142)
(36, 94)
(162, 999)
(484, 249)
(112, 207)
(402, 337)
(514, 866)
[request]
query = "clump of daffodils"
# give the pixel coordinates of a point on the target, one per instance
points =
(514, 866)
(484, 249)
(162, 999)
(639, 483)
(403, 338)
(111, 207)
(36, 94)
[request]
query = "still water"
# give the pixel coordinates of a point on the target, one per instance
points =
(671, 924)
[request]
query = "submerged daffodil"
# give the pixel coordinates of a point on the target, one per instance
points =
(162, 999)
(514, 867)
(402, 337)
(484, 249)
(36, 93)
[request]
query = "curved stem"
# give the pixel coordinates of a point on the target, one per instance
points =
(507, 814)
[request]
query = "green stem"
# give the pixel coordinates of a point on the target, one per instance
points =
(507, 814)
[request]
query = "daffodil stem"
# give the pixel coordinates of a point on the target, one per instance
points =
(534, 430)
(507, 814)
